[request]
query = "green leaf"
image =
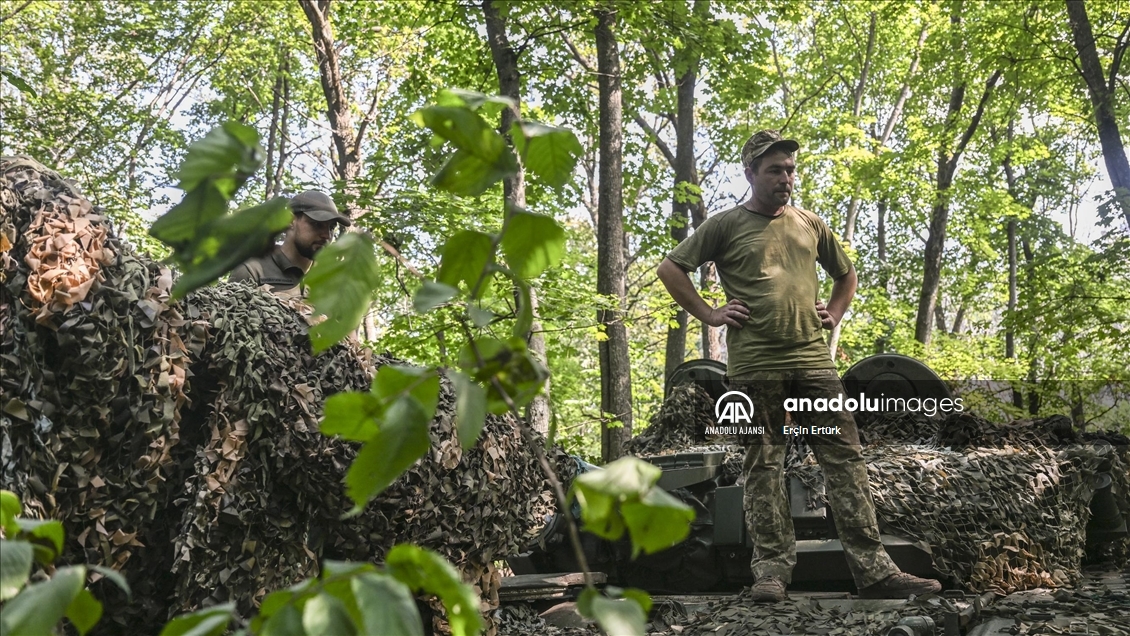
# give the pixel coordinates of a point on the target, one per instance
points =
(48, 533)
(491, 105)
(400, 441)
(40, 606)
(548, 152)
(656, 522)
(115, 577)
(532, 243)
(354, 415)
(342, 282)
(524, 319)
(15, 567)
(599, 492)
(467, 131)
(285, 622)
(18, 82)
(338, 569)
(464, 256)
(480, 317)
(228, 241)
(468, 175)
(211, 621)
(639, 596)
(224, 154)
(520, 375)
(10, 508)
(617, 617)
(424, 570)
(387, 606)
(84, 612)
(432, 295)
(181, 224)
(470, 408)
(337, 582)
(395, 380)
(325, 614)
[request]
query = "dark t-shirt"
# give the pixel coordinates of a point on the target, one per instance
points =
(770, 263)
(274, 269)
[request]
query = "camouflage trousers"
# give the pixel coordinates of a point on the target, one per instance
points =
(845, 476)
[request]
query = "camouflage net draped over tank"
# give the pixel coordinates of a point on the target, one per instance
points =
(1003, 507)
(178, 442)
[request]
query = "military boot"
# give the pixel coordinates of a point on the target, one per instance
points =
(769, 588)
(900, 585)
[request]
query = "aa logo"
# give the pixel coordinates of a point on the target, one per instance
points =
(731, 410)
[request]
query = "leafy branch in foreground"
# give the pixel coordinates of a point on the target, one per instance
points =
(208, 240)
(36, 609)
(482, 280)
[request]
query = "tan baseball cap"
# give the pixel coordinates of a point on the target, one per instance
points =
(318, 206)
(760, 143)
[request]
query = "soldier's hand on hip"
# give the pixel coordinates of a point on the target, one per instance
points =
(827, 320)
(733, 314)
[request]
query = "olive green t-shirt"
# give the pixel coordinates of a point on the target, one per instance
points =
(770, 263)
(273, 269)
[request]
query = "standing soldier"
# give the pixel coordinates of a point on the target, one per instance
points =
(315, 220)
(766, 252)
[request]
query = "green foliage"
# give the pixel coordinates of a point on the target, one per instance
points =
(424, 570)
(547, 151)
(391, 421)
(31, 610)
(360, 598)
(532, 243)
(481, 158)
(207, 241)
(624, 496)
(342, 283)
(623, 612)
(15, 567)
(211, 621)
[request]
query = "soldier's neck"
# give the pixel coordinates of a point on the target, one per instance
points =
(755, 206)
(291, 252)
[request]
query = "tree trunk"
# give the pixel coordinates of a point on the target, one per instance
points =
(940, 315)
(284, 126)
(514, 187)
(615, 369)
(1101, 90)
(884, 267)
(711, 336)
(939, 215)
(684, 166)
(269, 186)
(346, 139)
(959, 318)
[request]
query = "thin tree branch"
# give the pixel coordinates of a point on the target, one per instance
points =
(16, 10)
(904, 92)
(654, 137)
(976, 121)
(804, 101)
(1119, 50)
(581, 59)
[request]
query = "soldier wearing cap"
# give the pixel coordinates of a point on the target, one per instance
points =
(315, 219)
(766, 252)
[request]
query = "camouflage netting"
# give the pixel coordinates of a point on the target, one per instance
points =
(178, 442)
(1003, 507)
(689, 408)
(1098, 605)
